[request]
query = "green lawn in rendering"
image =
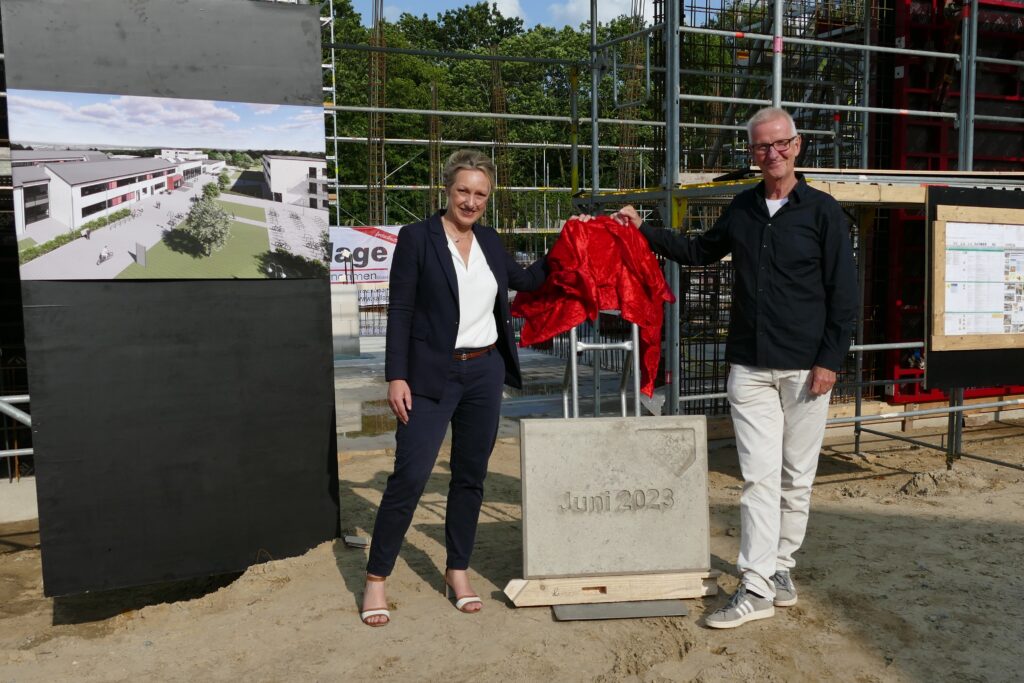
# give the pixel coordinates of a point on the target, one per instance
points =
(238, 258)
(253, 213)
(26, 243)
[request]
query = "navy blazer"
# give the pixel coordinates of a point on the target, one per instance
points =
(423, 307)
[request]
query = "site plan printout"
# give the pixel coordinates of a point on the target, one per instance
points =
(984, 279)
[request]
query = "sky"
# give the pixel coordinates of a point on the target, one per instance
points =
(51, 117)
(556, 13)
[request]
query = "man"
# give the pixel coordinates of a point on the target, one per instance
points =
(794, 305)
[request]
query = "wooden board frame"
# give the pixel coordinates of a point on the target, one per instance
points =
(621, 588)
(944, 214)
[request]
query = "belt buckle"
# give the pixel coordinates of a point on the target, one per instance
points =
(463, 356)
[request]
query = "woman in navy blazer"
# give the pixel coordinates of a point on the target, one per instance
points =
(450, 348)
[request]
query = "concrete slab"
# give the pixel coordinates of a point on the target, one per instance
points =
(606, 496)
(18, 500)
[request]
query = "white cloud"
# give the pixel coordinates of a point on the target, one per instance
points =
(576, 12)
(511, 8)
(98, 111)
(131, 111)
(261, 109)
(313, 114)
(27, 103)
(150, 121)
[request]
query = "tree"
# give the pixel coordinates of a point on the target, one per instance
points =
(211, 190)
(208, 224)
(224, 180)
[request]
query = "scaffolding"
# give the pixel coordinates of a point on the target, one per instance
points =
(377, 166)
(504, 218)
(847, 71)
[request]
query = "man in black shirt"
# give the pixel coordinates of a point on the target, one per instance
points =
(794, 305)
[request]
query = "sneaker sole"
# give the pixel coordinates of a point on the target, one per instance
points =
(785, 603)
(753, 616)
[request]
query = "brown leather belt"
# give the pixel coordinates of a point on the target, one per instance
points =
(468, 354)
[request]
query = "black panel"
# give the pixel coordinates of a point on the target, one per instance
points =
(988, 367)
(235, 50)
(181, 428)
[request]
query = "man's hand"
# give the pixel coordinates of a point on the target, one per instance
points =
(627, 215)
(821, 380)
(400, 399)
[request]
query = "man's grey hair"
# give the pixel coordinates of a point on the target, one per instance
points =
(468, 160)
(769, 114)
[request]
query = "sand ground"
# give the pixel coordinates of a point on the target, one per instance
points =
(909, 573)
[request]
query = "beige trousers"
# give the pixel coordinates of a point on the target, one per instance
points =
(779, 427)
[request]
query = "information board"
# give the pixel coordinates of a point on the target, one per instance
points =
(978, 284)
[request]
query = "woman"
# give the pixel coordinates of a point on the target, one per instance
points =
(450, 348)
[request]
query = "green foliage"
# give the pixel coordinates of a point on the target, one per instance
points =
(208, 224)
(224, 180)
(240, 159)
(467, 85)
(26, 255)
(211, 190)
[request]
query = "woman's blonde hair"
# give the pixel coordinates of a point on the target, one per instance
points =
(468, 160)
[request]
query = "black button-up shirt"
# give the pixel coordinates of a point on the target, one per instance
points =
(795, 298)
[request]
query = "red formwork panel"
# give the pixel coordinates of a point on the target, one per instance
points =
(930, 144)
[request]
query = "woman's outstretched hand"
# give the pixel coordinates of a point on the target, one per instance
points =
(400, 399)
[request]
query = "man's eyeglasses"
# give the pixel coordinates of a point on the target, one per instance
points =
(779, 145)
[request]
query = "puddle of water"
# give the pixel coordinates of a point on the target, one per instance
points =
(376, 418)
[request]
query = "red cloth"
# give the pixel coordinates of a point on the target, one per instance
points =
(599, 265)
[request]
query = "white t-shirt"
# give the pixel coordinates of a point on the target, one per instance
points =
(477, 292)
(775, 204)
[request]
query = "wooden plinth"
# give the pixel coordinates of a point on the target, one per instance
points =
(622, 588)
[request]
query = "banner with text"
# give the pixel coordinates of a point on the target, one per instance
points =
(362, 254)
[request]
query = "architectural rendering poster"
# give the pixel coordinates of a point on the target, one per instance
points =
(362, 254)
(122, 186)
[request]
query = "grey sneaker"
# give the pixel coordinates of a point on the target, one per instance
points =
(741, 608)
(785, 591)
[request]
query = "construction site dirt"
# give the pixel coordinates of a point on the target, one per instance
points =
(910, 572)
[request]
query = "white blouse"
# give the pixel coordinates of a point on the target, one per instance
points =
(477, 293)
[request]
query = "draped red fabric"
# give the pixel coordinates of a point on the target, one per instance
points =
(599, 265)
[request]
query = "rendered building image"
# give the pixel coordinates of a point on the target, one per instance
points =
(301, 181)
(72, 191)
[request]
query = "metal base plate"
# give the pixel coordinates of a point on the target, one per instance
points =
(621, 610)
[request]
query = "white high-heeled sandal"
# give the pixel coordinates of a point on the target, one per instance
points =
(363, 616)
(463, 602)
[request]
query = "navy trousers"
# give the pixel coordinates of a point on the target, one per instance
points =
(471, 402)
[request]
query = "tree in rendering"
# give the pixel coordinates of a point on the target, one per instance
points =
(224, 180)
(211, 190)
(208, 224)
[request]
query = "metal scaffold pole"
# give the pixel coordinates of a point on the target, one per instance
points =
(595, 81)
(777, 53)
(866, 88)
(671, 180)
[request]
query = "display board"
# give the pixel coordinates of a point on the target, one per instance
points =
(976, 292)
(176, 440)
(122, 176)
(182, 402)
(978, 288)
